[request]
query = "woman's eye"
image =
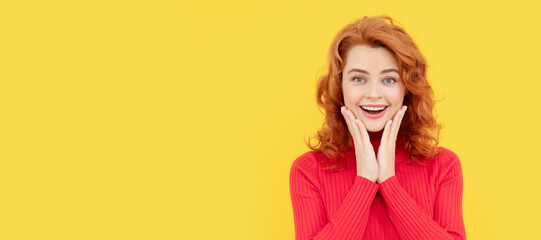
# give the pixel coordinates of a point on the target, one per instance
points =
(358, 80)
(389, 81)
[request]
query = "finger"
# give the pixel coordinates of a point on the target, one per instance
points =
(350, 124)
(401, 118)
(354, 126)
(346, 118)
(365, 138)
(390, 138)
(398, 121)
(355, 120)
(386, 133)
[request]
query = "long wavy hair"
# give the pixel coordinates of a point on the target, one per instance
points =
(419, 131)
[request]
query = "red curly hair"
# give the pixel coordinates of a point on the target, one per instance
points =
(419, 132)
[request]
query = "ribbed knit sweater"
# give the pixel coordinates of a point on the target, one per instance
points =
(418, 202)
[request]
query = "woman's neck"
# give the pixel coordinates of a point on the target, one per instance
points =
(375, 139)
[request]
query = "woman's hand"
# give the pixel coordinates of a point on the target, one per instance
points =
(382, 168)
(387, 146)
(367, 165)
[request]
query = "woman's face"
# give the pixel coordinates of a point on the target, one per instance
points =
(371, 85)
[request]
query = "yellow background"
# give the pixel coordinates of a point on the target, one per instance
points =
(180, 119)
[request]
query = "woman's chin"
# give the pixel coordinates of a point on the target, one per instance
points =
(374, 126)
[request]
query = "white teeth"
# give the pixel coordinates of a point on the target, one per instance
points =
(373, 108)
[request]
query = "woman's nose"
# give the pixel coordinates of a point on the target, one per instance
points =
(374, 91)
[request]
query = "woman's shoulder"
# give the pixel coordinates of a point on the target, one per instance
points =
(317, 162)
(447, 160)
(446, 155)
(308, 159)
(304, 168)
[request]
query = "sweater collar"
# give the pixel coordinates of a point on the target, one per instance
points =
(375, 140)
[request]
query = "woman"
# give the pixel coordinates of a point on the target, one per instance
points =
(376, 171)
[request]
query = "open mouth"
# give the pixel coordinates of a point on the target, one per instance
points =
(374, 111)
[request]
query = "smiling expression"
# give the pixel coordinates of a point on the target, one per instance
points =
(371, 85)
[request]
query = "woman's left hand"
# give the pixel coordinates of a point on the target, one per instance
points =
(386, 151)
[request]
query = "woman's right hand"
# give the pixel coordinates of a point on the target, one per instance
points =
(367, 165)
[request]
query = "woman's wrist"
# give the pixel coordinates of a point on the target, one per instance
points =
(368, 176)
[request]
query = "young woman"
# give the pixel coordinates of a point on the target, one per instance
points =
(376, 171)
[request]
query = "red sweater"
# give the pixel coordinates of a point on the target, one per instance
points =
(419, 202)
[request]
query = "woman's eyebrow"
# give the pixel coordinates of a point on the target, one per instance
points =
(389, 70)
(366, 72)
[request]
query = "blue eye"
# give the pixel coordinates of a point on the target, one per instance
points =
(360, 80)
(389, 81)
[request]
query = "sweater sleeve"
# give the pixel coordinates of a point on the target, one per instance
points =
(349, 221)
(411, 222)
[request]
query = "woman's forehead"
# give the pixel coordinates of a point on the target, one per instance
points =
(370, 58)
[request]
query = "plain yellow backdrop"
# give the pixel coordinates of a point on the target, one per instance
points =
(180, 119)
